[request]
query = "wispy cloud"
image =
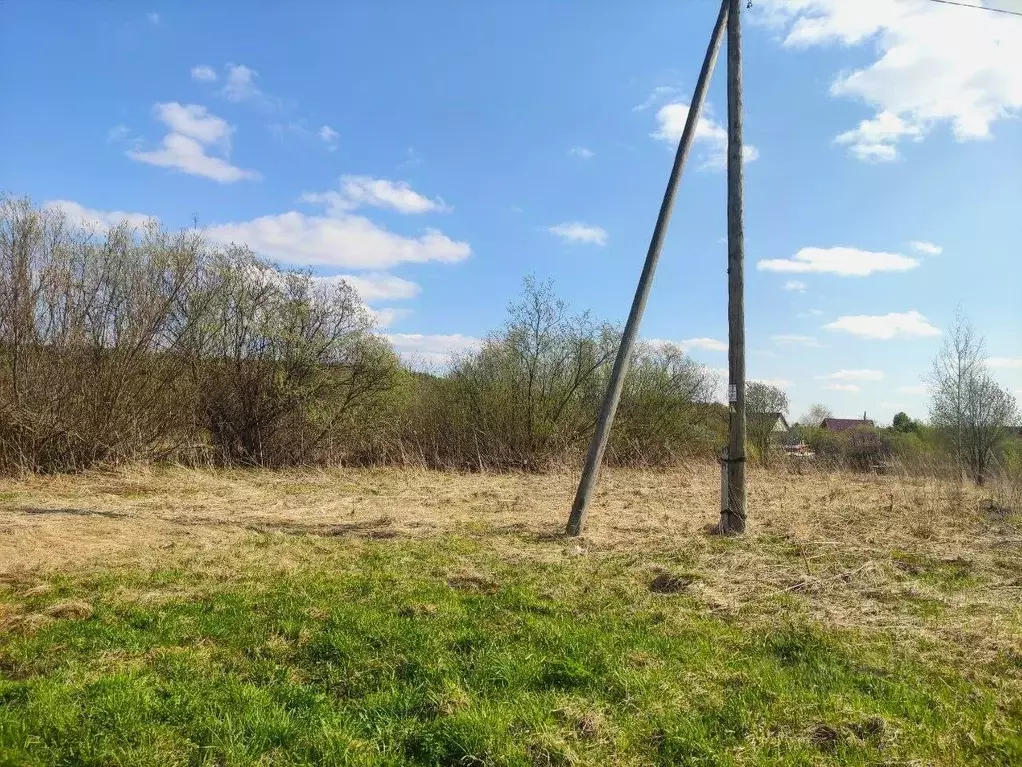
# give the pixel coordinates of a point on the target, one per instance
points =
(342, 240)
(118, 133)
(424, 350)
(926, 247)
(329, 137)
(359, 191)
(795, 285)
(204, 73)
(580, 151)
(844, 262)
(376, 286)
(576, 231)
(885, 326)
(97, 220)
(705, 344)
(193, 133)
(1005, 362)
(240, 86)
(843, 387)
(710, 134)
(657, 96)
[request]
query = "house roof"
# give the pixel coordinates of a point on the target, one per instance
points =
(844, 424)
(770, 418)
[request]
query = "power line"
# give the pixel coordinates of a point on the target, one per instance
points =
(978, 7)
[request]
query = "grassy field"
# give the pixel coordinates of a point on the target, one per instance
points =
(178, 617)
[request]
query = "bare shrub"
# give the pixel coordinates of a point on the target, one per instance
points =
(141, 344)
(284, 363)
(528, 399)
(91, 357)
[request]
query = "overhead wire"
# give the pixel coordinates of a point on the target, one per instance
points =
(978, 7)
(975, 7)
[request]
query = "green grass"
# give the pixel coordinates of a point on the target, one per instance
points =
(444, 653)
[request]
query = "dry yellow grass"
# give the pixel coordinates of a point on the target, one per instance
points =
(914, 556)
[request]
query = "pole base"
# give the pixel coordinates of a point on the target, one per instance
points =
(731, 523)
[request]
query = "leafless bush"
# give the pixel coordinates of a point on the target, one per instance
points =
(528, 399)
(140, 344)
(284, 364)
(91, 331)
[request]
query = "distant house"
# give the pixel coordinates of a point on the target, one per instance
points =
(774, 422)
(846, 424)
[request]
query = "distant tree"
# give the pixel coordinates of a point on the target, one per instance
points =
(971, 410)
(814, 416)
(903, 424)
(760, 400)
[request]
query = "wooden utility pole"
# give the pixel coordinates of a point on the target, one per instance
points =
(594, 458)
(732, 518)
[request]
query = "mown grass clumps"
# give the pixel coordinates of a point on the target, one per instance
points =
(428, 653)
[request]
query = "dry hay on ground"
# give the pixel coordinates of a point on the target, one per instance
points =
(906, 554)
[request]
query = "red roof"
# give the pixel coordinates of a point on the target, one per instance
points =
(844, 424)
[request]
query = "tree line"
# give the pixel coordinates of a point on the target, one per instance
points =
(140, 344)
(146, 345)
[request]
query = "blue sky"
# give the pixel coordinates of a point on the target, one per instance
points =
(438, 153)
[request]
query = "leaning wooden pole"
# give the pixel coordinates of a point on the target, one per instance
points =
(594, 458)
(733, 517)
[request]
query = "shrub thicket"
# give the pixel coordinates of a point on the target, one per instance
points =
(141, 344)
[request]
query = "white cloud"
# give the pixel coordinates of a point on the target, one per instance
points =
(845, 262)
(706, 344)
(188, 155)
(194, 121)
(810, 313)
(153, 17)
(428, 350)
(204, 73)
(1005, 362)
(193, 130)
(930, 64)
(329, 137)
(873, 140)
(711, 134)
(343, 240)
(581, 151)
(927, 247)
(575, 231)
(239, 85)
(387, 316)
(376, 286)
(843, 387)
(853, 375)
(655, 96)
(916, 389)
(357, 191)
(789, 338)
(796, 285)
(97, 220)
(885, 326)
